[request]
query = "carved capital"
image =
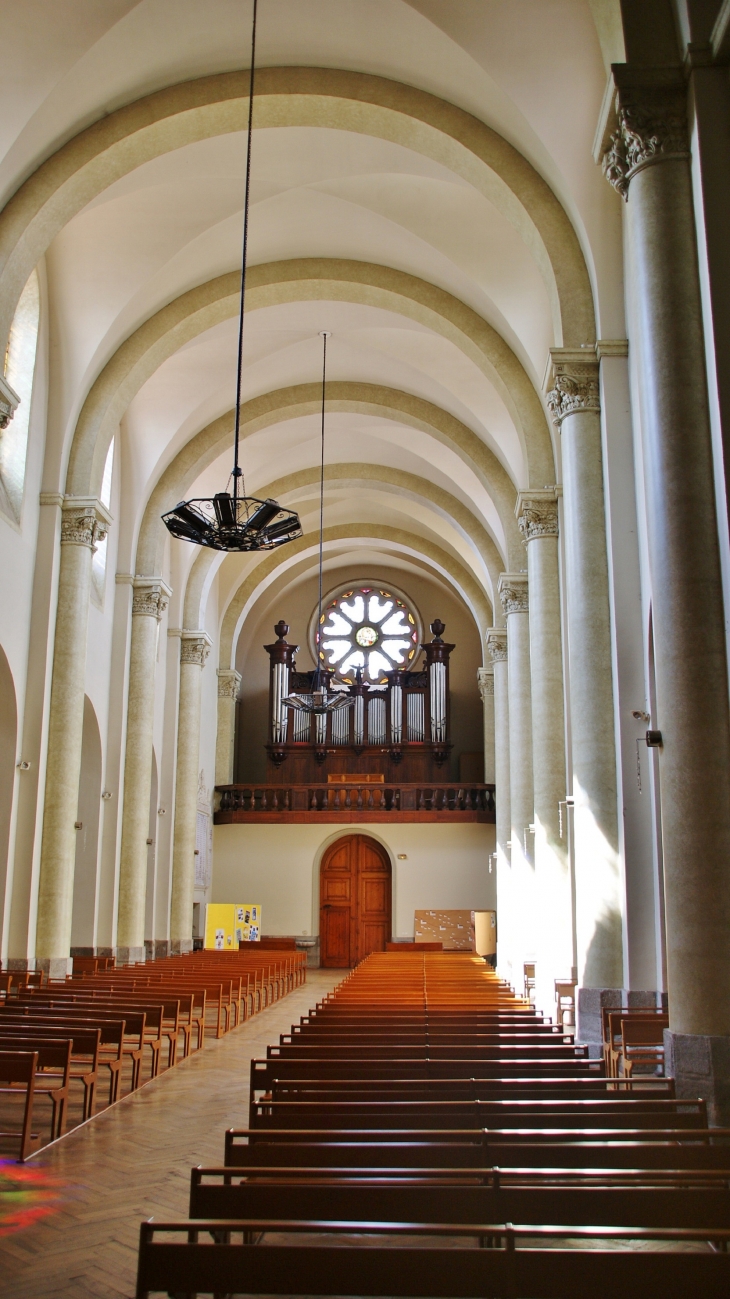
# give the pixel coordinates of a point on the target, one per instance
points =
(9, 402)
(537, 513)
(652, 124)
(151, 597)
(485, 682)
(84, 521)
(513, 592)
(228, 682)
(194, 647)
(497, 644)
(573, 374)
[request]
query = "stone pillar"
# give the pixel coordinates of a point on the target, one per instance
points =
(228, 682)
(537, 511)
(485, 681)
(497, 651)
(149, 601)
(513, 592)
(574, 403)
(84, 522)
(648, 162)
(194, 650)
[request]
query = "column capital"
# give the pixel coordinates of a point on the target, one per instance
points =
(228, 682)
(651, 111)
(571, 381)
(497, 644)
(151, 597)
(485, 682)
(195, 647)
(514, 592)
(537, 512)
(84, 521)
(9, 402)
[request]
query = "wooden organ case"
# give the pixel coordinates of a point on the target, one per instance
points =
(399, 731)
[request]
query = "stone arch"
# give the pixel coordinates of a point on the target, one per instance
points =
(305, 399)
(265, 571)
(290, 96)
(198, 310)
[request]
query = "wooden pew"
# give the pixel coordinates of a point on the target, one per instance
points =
(121, 1039)
(18, 1071)
(85, 1044)
(52, 1075)
(527, 1261)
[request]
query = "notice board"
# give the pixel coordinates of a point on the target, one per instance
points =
(229, 923)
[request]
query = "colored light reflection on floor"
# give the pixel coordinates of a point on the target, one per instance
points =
(26, 1195)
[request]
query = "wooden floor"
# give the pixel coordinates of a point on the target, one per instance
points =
(134, 1161)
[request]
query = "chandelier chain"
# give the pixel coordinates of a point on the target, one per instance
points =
(237, 471)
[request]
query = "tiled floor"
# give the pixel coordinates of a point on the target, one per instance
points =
(134, 1161)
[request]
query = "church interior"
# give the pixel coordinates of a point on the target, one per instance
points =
(364, 641)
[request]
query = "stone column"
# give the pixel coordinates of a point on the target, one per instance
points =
(194, 650)
(149, 601)
(537, 512)
(649, 164)
(574, 403)
(485, 681)
(497, 651)
(84, 522)
(228, 682)
(513, 592)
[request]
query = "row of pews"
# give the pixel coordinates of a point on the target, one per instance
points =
(424, 1132)
(60, 1040)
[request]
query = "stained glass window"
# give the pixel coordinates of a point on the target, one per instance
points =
(369, 628)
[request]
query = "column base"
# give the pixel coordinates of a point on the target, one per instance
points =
(21, 963)
(180, 946)
(156, 949)
(700, 1067)
(54, 967)
(589, 1016)
(130, 955)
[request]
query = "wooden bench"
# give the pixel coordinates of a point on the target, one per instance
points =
(52, 1075)
(85, 1043)
(121, 1039)
(18, 1071)
(526, 1261)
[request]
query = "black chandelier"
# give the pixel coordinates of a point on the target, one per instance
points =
(321, 697)
(233, 520)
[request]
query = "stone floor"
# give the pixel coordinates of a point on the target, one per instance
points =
(133, 1161)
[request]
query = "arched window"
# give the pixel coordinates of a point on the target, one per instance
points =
(370, 628)
(19, 370)
(98, 563)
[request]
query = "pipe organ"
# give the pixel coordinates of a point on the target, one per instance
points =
(400, 727)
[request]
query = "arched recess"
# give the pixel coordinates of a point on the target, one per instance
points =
(267, 569)
(315, 97)
(83, 923)
(8, 743)
(305, 399)
(150, 909)
(355, 901)
(303, 279)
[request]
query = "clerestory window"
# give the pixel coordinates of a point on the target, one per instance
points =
(20, 361)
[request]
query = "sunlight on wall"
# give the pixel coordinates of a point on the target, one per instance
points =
(98, 566)
(19, 371)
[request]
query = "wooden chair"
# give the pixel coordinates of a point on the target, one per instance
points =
(565, 1001)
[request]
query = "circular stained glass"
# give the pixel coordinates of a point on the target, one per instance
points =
(370, 628)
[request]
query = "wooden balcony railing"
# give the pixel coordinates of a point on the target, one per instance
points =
(355, 801)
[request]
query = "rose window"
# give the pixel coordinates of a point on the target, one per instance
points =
(367, 628)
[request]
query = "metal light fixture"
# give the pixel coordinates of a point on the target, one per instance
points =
(236, 521)
(321, 698)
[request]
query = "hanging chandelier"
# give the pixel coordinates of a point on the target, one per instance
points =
(321, 698)
(231, 520)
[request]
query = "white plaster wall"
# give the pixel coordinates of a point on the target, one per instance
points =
(446, 866)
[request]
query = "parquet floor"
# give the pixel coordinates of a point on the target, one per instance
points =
(134, 1161)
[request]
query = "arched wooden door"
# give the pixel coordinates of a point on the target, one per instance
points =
(354, 901)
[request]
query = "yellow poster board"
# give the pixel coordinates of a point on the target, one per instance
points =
(229, 923)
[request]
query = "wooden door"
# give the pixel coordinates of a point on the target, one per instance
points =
(355, 901)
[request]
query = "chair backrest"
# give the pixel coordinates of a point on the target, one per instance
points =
(18, 1066)
(643, 1032)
